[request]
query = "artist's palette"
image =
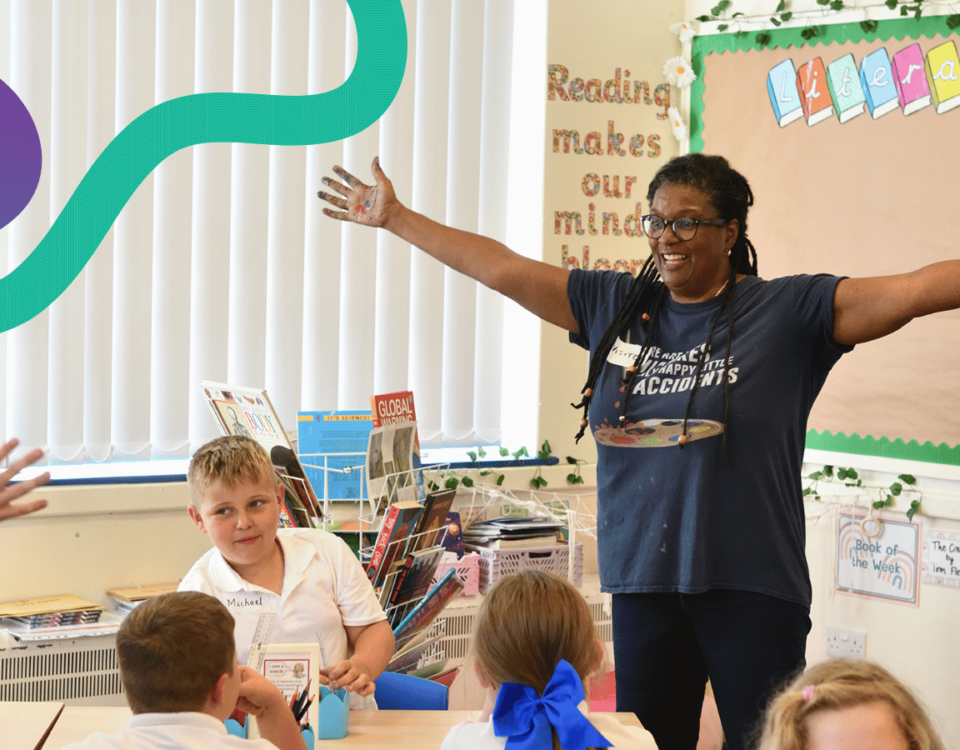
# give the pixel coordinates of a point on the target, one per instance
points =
(656, 433)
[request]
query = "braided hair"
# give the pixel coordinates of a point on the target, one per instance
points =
(728, 192)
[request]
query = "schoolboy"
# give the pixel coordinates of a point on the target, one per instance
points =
(178, 665)
(310, 578)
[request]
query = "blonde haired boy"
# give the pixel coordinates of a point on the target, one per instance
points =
(178, 665)
(309, 578)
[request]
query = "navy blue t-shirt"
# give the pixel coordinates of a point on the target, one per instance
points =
(691, 520)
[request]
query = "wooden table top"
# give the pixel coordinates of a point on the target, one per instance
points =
(25, 725)
(368, 729)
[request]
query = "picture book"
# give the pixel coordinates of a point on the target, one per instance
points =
(390, 466)
(425, 612)
(398, 522)
(140, 593)
(241, 410)
(394, 408)
(432, 522)
(338, 441)
(288, 466)
(45, 605)
(408, 659)
(452, 540)
(414, 579)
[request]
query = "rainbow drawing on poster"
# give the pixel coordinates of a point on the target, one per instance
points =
(941, 559)
(883, 566)
(907, 80)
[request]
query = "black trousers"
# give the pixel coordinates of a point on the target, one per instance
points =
(667, 645)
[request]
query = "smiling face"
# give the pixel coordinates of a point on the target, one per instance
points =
(697, 269)
(869, 726)
(242, 522)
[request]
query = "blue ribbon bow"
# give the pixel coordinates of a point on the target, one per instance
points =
(524, 718)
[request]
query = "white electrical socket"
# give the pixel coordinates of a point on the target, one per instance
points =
(846, 643)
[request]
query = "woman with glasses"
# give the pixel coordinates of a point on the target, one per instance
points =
(701, 379)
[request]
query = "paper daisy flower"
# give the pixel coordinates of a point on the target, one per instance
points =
(685, 30)
(678, 72)
(677, 123)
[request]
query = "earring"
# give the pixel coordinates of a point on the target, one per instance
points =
(726, 252)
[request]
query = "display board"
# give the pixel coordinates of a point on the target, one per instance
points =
(852, 181)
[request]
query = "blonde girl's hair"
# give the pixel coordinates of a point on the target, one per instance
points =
(839, 684)
(231, 460)
(527, 623)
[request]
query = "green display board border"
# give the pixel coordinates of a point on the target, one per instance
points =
(828, 34)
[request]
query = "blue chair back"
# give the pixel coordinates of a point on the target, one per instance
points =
(404, 692)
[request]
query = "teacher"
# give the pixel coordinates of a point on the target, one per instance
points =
(701, 379)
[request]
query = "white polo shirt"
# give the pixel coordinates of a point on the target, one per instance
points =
(177, 731)
(324, 589)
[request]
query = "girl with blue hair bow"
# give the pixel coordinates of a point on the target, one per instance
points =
(533, 647)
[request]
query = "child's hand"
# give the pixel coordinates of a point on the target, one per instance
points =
(349, 676)
(259, 696)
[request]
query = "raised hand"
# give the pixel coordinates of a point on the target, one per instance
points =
(372, 205)
(8, 494)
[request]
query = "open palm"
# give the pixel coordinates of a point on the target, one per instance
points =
(358, 202)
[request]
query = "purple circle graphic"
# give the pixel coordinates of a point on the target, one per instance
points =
(20, 155)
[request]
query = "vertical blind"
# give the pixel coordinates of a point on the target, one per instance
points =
(221, 266)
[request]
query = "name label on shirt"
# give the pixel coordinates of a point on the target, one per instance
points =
(252, 600)
(623, 354)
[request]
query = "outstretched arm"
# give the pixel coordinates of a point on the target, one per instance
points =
(868, 309)
(539, 287)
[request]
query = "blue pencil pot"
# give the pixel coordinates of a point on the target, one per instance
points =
(333, 720)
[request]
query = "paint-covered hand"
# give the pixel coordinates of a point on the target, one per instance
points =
(8, 494)
(372, 205)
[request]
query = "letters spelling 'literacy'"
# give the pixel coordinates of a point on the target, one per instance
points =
(908, 81)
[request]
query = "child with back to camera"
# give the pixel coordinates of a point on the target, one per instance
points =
(178, 665)
(308, 577)
(841, 704)
(534, 647)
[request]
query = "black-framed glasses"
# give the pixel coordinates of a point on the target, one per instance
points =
(685, 227)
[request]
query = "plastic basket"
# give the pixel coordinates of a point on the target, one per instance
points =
(496, 563)
(468, 570)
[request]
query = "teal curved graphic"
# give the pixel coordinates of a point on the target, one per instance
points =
(206, 118)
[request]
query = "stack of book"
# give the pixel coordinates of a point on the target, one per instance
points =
(402, 567)
(407, 552)
(128, 598)
(64, 615)
(514, 533)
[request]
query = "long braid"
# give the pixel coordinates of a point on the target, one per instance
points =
(640, 360)
(643, 292)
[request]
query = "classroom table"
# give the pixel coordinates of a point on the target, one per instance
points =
(26, 724)
(397, 730)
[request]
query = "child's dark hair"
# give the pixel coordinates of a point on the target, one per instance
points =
(728, 192)
(172, 650)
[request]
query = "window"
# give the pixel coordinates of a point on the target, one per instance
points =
(221, 265)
